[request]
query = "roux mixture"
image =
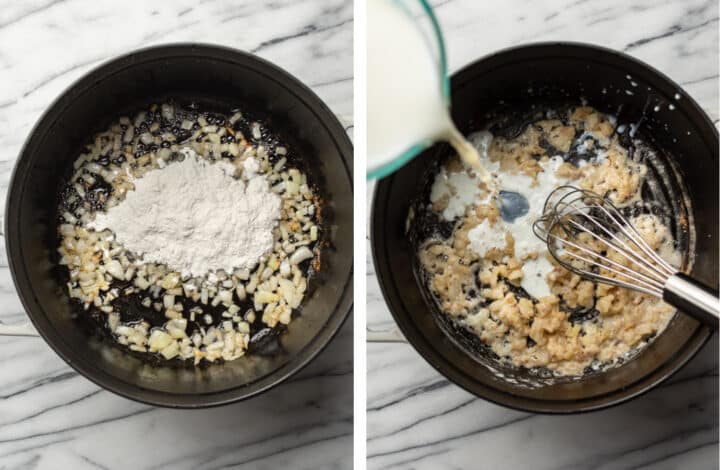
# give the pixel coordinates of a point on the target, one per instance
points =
(493, 279)
(167, 288)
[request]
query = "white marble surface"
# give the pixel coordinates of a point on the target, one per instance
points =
(49, 416)
(417, 419)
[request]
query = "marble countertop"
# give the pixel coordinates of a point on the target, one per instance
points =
(50, 417)
(417, 419)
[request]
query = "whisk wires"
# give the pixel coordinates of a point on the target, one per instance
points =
(589, 236)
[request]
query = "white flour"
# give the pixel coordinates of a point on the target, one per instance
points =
(195, 217)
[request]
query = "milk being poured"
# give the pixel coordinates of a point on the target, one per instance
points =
(405, 101)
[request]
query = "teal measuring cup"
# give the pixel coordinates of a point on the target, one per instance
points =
(381, 164)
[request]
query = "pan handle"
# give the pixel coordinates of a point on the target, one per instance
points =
(346, 120)
(392, 335)
(18, 329)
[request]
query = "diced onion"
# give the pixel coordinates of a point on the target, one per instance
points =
(301, 254)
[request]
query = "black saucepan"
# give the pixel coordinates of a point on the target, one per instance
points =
(516, 82)
(221, 79)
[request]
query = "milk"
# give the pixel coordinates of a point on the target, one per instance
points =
(407, 109)
(461, 190)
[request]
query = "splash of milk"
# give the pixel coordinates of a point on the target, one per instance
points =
(462, 190)
(536, 192)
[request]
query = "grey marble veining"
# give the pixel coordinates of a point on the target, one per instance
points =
(417, 419)
(50, 417)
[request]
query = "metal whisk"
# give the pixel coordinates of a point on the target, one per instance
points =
(590, 237)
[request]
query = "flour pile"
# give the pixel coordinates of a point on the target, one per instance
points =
(195, 217)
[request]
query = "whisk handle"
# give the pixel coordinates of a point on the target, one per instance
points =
(693, 298)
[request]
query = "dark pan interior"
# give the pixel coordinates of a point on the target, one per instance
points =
(220, 79)
(515, 82)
